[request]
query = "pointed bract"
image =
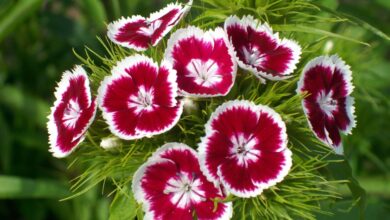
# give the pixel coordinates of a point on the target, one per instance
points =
(328, 106)
(72, 112)
(261, 51)
(171, 186)
(245, 148)
(139, 33)
(204, 61)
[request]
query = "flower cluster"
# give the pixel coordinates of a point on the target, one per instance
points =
(244, 150)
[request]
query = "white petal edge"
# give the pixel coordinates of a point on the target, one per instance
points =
(333, 62)
(61, 88)
(172, 79)
(249, 20)
(138, 192)
(182, 12)
(117, 72)
(209, 131)
(113, 30)
(258, 109)
(239, 193)
(156, 158)
(287, 153)
(228, 213)
(207, 36)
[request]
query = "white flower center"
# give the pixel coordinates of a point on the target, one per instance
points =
(205, 73)
(71, 114)
(327, 103)
(143, 101)
(243, 149)
(184, 190)
(253, 56)
(151, 28)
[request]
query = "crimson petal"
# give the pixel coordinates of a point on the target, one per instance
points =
(72, 112)
(261, 51)
(328, 106)
(245, 148)
(139, 98)
(170, 185)
(138, 32)
(204, 61)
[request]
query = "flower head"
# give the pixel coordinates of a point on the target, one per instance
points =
(328, 106)
(138, 32)
(139, 98)
(261, 51)
(72, 112)
(171, 186)
(204, 61)
(245, 148)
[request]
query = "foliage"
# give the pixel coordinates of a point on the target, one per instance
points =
(36, 50)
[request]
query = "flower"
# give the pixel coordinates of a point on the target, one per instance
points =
(328, 106)
(245, 148)
(171, 186)
(72, 112)
(261, 51)
(138, 32)
(204, 61)
(139, 98)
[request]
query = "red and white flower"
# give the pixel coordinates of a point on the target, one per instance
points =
(139, 33)
(72, 112)
(171, 186)
(328, 106)
(245, 148)
(261, 51)
(204, 61)
(139, 98)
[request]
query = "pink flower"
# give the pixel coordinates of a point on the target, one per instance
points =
(139, 98)
(72, 113)
(328, 106)
(245, 148)
(139, 33)
(204, 61)
(171, 186)
(261, 51)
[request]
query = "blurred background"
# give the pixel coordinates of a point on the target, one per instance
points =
(36, 41)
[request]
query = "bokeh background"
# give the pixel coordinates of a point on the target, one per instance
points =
(36, 42)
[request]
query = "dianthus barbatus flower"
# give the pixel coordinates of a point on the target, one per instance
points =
(139, 98)
(261, 51)
(72, 112)
(245, 148)
(171, 186)
(204, 61)
(328, 106)
(139, 33)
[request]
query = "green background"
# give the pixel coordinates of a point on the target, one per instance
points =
(36, 41)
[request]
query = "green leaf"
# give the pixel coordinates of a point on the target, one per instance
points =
(16, 15)
(313, 30)
(95, 10)
(21, 188)
(343, 171)
(357, 22)
(123, 206)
